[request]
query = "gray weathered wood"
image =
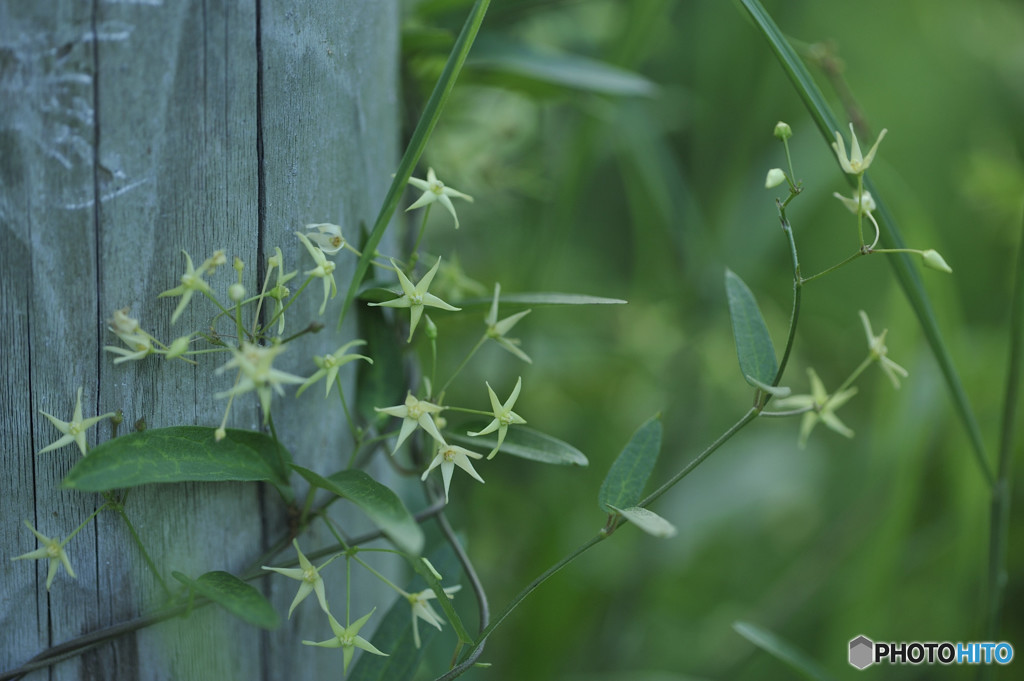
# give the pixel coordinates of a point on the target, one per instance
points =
(130, 130)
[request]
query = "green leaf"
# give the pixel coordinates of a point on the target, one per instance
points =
(905, 271)
(378, 502)
(648, 521)
(778, 648)
(753, 342)
(624, 484)
(235, 596)
(178, 454)
(528, 65)
(526, 443)
(541, 299)
(417, 143)
(394, 633)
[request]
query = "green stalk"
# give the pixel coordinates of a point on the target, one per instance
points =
(1000, 509)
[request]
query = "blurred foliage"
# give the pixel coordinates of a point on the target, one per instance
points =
(643, 179)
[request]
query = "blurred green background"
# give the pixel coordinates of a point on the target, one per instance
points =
(645, 185)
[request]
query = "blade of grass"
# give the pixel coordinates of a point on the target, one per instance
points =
(418, 142)
(905, 272)
(1000, 518)
(782, 650)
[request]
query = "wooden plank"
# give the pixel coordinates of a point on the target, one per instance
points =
(134, 136)
(328, 157)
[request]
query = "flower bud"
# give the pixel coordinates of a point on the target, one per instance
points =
(935, 261)
(431, 328)
(236, 292)
(783, 131)
(178, 347)
(219, 434)
(775, 178)
(238, 264)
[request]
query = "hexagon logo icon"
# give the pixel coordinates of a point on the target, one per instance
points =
(862, 652)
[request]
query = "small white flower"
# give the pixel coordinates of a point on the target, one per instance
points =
(422, 610)
(74, 430)
(256, 372)
(822, 407)
(414, 413)
(416, 297)
(348, 639)
(324, 269)
(497, 329)
(503, 416)
(448, 457)
(865, 204)
(435, 190)
(192, 281)
(329, 366)
(327, 236)
(876, 345)
(308, 575)
(855, 164)
(52, 550)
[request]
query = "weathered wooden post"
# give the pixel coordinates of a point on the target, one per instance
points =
(130, 130)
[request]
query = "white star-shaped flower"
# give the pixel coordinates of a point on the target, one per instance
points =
(416, 297)
(435, 190)
(448, 457)
(74, 430)
(503, 416)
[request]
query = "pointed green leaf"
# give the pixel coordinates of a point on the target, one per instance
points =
(378, 502)
(529, 66)
(624, 484)
(542, 299)
(753, 342)
(235, 596)
(178, 454)
(523, 442)
(648, 521)
(905, 271)
(778, 648)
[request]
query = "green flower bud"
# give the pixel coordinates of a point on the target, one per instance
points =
(236, 292)
(935, 261)
(238, 264)
(775, 177)
(178, 347)
(431, 328)
(783, 131)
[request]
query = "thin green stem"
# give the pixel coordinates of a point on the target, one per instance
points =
(722, 439)
(142, 549)
(291, 299)
(415, 255)
(478, 645)
(797, 291)
(465, 361)
(833, 268)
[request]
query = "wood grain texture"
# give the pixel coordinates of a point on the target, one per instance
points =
(132, 130)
